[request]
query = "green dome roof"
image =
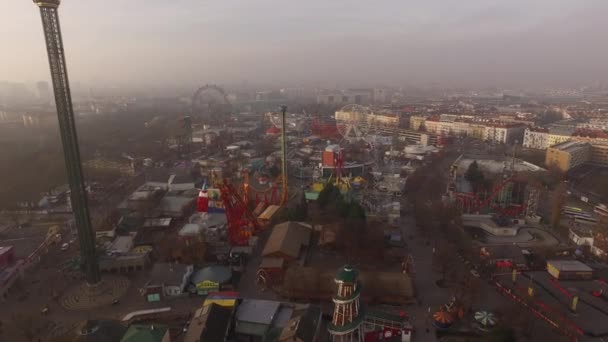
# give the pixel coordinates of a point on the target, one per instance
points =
(347, 274)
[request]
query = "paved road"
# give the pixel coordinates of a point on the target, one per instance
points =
(428, 294)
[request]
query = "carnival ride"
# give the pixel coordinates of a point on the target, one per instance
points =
(241, 222)
(236, 200)
(352, 121)
(352, 321)
(323, 128)
(540, 309)
(210, 104)
(266, 197)
(341, 181)
(512, 197)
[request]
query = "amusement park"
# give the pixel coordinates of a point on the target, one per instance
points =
(385, 232)
(319, 192)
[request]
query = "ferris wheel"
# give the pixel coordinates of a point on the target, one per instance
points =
(352, 121)
(210, 103)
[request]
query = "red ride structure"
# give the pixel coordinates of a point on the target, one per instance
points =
(269, 196)
(241, 222)
(324, 130)
(475, 202)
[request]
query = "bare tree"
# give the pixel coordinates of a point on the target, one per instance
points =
(466, 290)
(443, 258)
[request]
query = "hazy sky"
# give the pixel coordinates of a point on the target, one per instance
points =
(345, 42)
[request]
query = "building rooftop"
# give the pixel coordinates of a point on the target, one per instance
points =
(582, 231)
(145, 333)
(210, 323)
(494, 164)
(287, 238)
(180, 178)
(190, 229)
(257, 311)
(303, 325)
(538, 129)
(591, 133)
(174, 204)
(122, 244)
(5, 249)
(141, 195)
(561, 130)
(215, 273)
(570, 146)
(209, 220)
(569, 265)
(158, 222)
(168, 273)
(505, 124)
(222, 298)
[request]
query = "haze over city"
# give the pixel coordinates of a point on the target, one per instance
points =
(310, 171)
(460, 43)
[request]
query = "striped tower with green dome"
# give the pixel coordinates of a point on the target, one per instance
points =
(348, 313)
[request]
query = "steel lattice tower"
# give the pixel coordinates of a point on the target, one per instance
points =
(69, 139)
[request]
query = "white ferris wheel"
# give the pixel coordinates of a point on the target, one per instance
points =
(353, 122)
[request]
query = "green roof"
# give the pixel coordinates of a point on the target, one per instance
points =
(311, 195)
(145, 333)
(347, 274)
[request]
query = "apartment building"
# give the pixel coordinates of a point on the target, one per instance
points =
(502, 133)
(599, 144)
(568, 155)
(536, 138)
(542, 138)
(416, 121)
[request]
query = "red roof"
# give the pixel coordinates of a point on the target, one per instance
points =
(590, 133)
(504, 125)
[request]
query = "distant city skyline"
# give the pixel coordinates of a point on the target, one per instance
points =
(175, 43)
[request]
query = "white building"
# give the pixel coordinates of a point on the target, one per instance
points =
(595, 123)
(539, 138)
(535, 138)
(581, 237)
(416, 121)
(503, 133)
